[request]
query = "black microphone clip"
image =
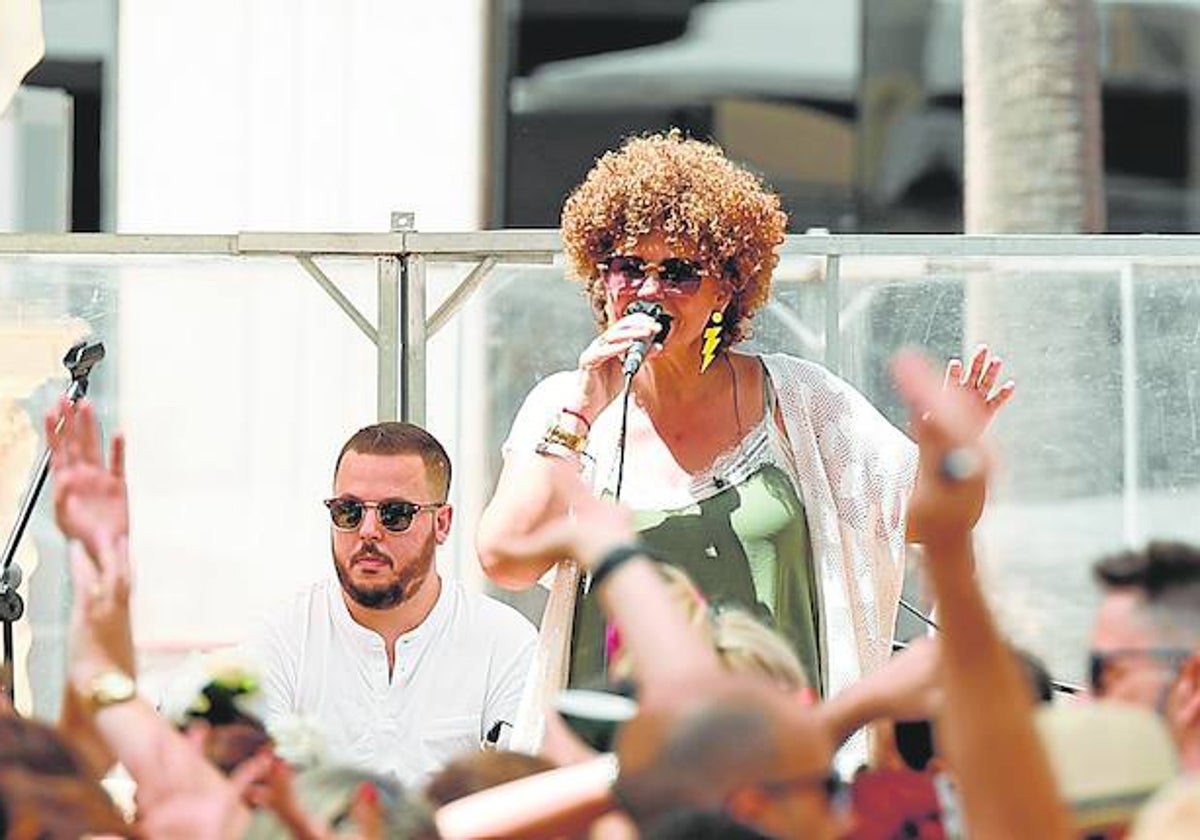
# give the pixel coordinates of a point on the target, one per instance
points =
(79, 361)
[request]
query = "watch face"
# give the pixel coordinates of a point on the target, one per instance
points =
(112, 687)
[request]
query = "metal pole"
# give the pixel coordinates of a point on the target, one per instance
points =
(413, 335)
(388, 338)
(1130, 437)
(833, 313)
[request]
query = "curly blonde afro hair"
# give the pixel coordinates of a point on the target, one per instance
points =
(691, 193)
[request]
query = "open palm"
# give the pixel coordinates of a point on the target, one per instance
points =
(90, 498)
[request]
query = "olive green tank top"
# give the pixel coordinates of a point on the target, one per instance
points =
(744, 544)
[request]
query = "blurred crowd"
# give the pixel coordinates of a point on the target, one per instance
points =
(707, 729)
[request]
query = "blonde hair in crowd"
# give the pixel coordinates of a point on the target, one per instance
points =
(743, 643)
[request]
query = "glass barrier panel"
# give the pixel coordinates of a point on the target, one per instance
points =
(236, 382)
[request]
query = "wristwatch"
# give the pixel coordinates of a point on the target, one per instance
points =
(108, 688)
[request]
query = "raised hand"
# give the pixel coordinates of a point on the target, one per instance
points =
(190, 798)
(592, 527)
(953, 463)
(90, 498)
(979, 382)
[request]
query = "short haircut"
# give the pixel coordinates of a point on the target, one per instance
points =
(698, 824)
(694, 760)
(1167, 576)
(38, 748)
(477, 771)
(395, 438)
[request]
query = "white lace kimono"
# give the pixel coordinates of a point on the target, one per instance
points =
(854, 472)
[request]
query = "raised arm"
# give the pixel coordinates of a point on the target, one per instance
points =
(987, 723)
(90, 507)
(524, 501)
(906, 688)
(666, 650)
(569, 402)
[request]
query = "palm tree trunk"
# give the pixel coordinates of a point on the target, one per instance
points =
(1033, 164)
(1031, 110)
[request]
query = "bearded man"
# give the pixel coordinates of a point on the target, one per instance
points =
(400, 668)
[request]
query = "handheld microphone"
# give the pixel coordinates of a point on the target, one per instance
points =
(637, 353)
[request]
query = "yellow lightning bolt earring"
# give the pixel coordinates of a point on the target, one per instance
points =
(712, 339)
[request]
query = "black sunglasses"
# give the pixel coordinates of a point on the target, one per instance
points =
(836, 790)
(628, 272)
(395, 515)
(1100, 660)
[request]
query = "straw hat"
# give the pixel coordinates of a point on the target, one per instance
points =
(1108, 758)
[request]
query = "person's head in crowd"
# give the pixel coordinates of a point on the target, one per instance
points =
(219, 695)
(747, 646)
(34, 747)
(709, 226)
(748, 751)
(1145, 646)
(328, 796)
(34, 806)
(743, 643)
(229, 745)
(696, 824)
(389, 513)
(478, 771)
(914, 740)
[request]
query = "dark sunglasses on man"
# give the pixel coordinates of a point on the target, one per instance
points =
(627, 273)
(395, 515)
(1099, 662)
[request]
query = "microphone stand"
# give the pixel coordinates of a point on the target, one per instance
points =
(79, 361)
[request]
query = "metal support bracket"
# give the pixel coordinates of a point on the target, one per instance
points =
(459, 296)
(346, 305)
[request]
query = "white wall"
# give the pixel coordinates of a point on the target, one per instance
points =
(299, 114)
(308, 115)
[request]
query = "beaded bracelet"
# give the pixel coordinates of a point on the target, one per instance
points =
(578, 415)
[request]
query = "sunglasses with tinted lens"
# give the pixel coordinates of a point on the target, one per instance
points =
(1100, 660)
(835, 789)
(629, 272)
(395, 515)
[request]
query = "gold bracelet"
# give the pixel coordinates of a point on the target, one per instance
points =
(554, 449)
(557, 434)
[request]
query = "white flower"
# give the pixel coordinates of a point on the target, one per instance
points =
(184, 697)
(298, 741)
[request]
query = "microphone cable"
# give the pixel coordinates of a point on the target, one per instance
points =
(626, 390)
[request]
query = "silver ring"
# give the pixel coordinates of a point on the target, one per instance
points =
(962, 463)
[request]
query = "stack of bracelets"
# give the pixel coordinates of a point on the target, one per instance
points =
(560, 443)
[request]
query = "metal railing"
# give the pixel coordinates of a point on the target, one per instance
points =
(834, 276)
(402, 326)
